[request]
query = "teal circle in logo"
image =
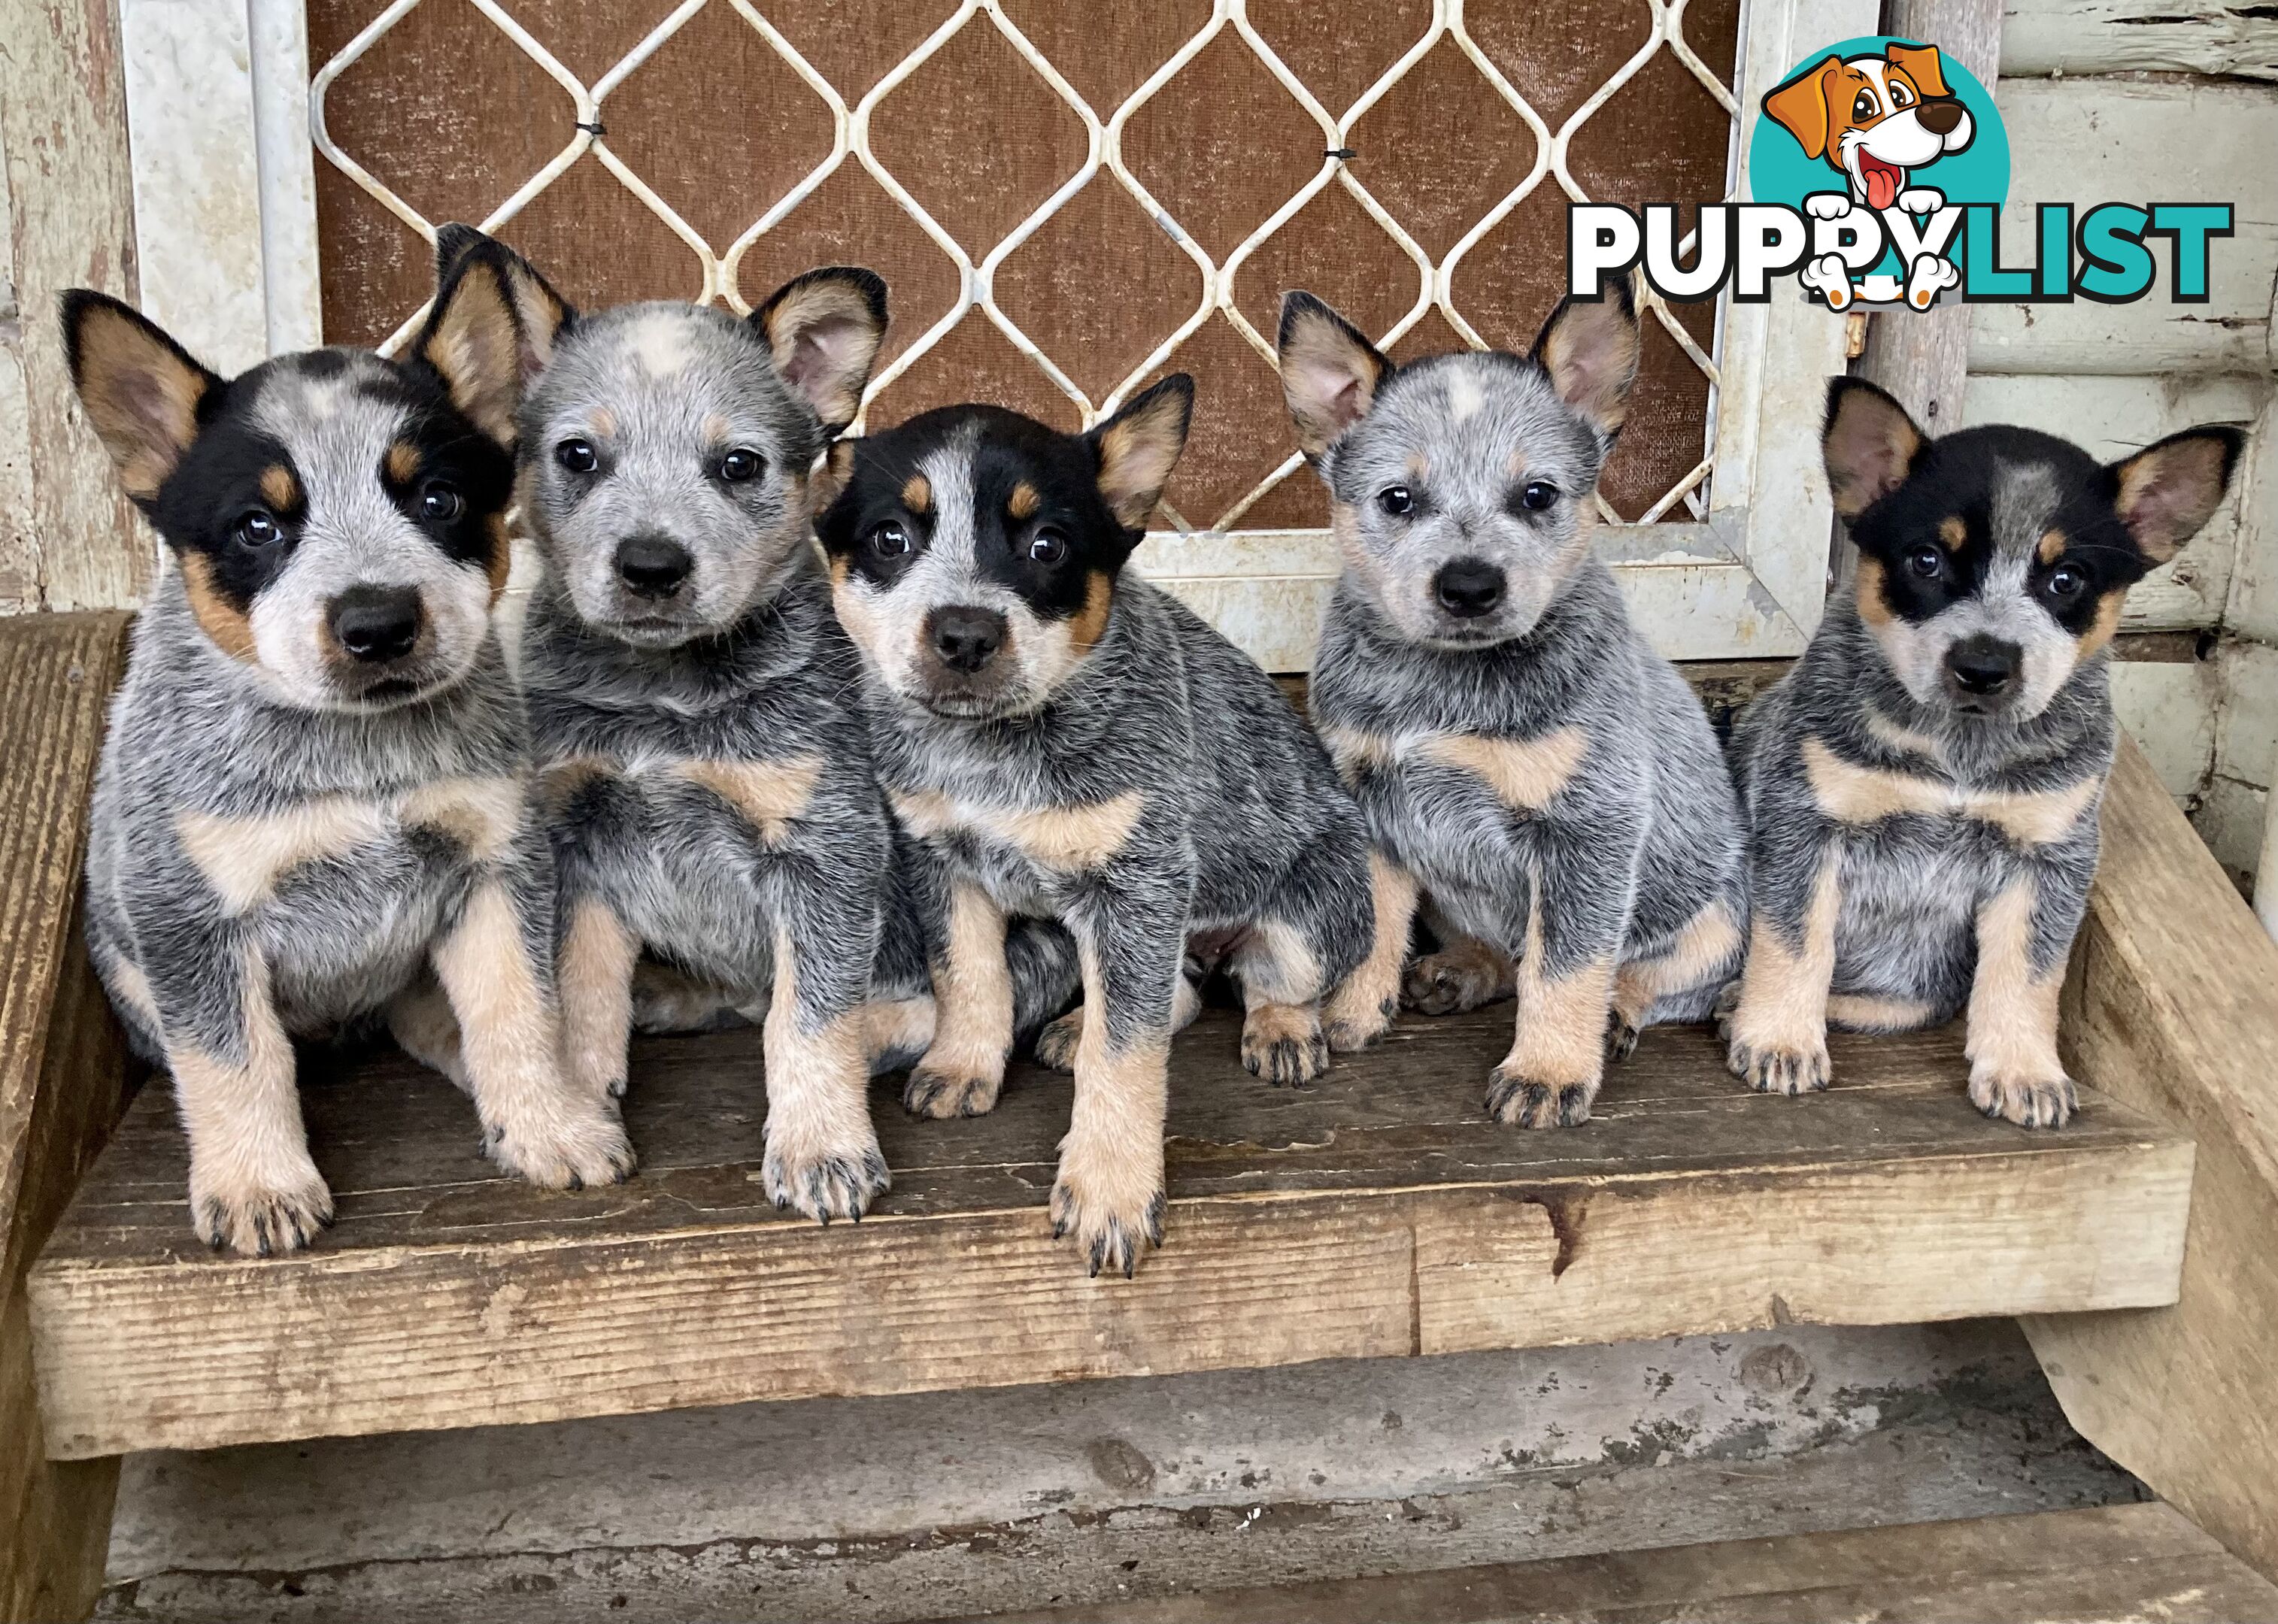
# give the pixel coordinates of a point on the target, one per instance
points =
(1782, 170)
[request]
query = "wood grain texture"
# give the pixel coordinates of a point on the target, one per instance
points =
(61, 1070)
(70, 224)
(2109, 1563)
(2074, 37)
(1379, 1214)
(2173, 1007)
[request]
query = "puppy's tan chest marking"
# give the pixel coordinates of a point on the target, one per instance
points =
(1066, 839)
(245, 858)
(1524, 774)
(1861, 795)
(770, 795)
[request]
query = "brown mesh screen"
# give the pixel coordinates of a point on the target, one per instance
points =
(453, 116)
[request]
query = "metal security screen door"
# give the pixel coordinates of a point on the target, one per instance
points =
(1068, 200)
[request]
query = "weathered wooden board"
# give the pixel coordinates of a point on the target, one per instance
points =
(2109, 1563)
(2075, 37)
(1379, 1214)
(2088, 142)
(2173, 1006)
(60, 1076)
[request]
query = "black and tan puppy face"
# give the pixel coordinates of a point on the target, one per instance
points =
(1461, 489)
(667, 448)
(336, 517)
(973, 552)
(1994, 561)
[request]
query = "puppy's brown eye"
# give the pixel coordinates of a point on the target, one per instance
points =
(1538, 495)
(1899, 96)
(740, 465)
(1928, 562)
(1047, 546)
(578, 456)
(257, 529)
(1862, 105)
(438, 504)
(2066, 580)
(889, 541)
(1397, 500)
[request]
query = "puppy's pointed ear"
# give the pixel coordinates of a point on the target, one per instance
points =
(1923, 65)
(1868, 443)
(492, 329)
(1590, 349)
(2166, 491)
(1330, 372)
(1139, 446)
(1800, 106)
(823, 330)
(141, 389)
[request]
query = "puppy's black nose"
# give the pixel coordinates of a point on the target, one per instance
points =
(652, 566)
(1983, 666)
(966, 638)
(1939, 117)
(1468, 587)
(376, 623)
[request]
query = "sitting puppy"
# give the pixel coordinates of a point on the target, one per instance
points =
(315, 783)
(1924, 783)
(1538, 777)
(1078, 746)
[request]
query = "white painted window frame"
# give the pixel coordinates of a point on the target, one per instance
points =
(218, 110)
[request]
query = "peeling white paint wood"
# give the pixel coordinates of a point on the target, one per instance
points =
(2045, 37)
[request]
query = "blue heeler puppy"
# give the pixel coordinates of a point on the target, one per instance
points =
(1542, 782)
(1924, 783)
(1078, 746)
(314, 786)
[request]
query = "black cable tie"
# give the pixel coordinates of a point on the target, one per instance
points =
(1340, 152)
(597, 128)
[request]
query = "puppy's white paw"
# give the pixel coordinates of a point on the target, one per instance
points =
(2045, 1101)
(1514, 1097)
(1791, 1068)
(259, 1212)
(1830, 278)
(1827, 205)
(567, 1148)
(1109, 1203)
(1921, 200)
(935, 1091)
(1284, 1044)
(1927, 277)
(825, 1181)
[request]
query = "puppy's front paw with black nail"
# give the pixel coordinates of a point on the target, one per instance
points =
(824, 1180)
(1351, 1027)
(565, 1149)
(1284, 1044)
(1621, 1036)
(937, 1091)
(1516, 1098)
(1057, 1043)
(1109, 1203)
(2031, 1101)
(1792, 1067)
(259, 1212)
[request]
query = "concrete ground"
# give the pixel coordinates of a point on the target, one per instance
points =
(936, 1506)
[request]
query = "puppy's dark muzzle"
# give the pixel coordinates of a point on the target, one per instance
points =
(1983, 671)
(376, 625)
(1468, 587)
(1939, 117)
(655, 568)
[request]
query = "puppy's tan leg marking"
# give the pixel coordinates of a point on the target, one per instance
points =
(131, 988)
(1109, 1194)
(252, 1186)
(482, 815)
(243, 859)
(1862, 795)
(963, 1070)
(1057, 1043)
(896, 1027)
(1558, 1058)
(539, 1124)
(1706, 950)
(1526, 774)
(1360, 1011)
(770, 795)
(1463, 974)
(596, 980)
(1862, 1012)
(1777, 1034)
(2014, 1071)
(822, 1155)
(421, 1022)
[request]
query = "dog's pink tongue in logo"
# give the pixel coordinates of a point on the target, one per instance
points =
(1882, 180)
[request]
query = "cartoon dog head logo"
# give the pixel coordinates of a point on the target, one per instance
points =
(1874, 118)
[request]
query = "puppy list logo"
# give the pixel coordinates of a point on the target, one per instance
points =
(1878, 168)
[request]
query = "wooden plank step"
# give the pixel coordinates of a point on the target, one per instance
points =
(1379, 1214)
(2111, 1563)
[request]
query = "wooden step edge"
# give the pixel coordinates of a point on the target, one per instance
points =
(2109, 1563)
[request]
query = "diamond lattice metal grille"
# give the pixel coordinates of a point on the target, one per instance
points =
(1082, 205)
